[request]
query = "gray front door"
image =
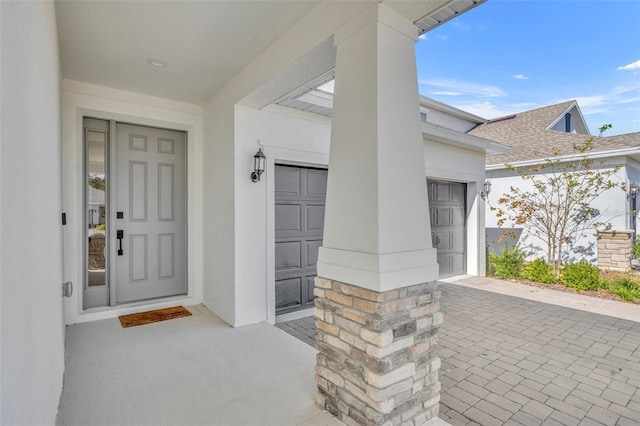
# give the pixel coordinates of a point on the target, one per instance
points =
(447, 209)
(150, 206)
(299, 223)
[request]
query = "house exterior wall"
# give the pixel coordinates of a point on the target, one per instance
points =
(449, 163)
(612, 204)
(32, 323)
(82, 99)
(287, 137)
(446, 120)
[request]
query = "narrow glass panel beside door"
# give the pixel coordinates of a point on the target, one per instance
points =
(96, 221)
(96, 209)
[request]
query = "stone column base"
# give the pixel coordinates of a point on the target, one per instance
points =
(377, 363)
(615, 247)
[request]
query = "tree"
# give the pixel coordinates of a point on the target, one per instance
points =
(96, 181)
(555, 200)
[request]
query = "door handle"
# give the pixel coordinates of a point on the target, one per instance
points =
(120, 236)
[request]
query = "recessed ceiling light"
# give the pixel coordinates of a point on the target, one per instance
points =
(157, 62)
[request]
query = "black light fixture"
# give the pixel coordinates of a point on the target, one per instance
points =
(258, 165)
(487, 189)
(633, 191)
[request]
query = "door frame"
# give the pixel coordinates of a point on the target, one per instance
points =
(106, 104)
(286, 157)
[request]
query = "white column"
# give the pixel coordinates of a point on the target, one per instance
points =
(377, 233)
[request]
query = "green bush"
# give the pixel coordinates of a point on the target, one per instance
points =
(509, 265)
(636, 249)
(539, 271)
(626, 289)
(581, 276)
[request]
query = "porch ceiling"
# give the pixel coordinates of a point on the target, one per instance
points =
(204, 42)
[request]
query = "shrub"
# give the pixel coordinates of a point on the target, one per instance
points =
(509, 265)
(581, 276)
(625, 288)
(636, 249)
(539, 271)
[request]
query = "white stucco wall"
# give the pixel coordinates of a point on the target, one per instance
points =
(450, 163)
(287, 137)
(82, 99)
(613, 205)
(32, 324)
(447, 120)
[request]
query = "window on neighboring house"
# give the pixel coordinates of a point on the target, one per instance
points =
(423, 116)
(567, 123)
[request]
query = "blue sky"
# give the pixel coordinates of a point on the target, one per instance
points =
(509, 56)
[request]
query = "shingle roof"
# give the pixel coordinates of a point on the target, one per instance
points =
(527, 135)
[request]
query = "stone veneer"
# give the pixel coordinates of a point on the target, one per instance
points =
(615, 249)
(377, 363)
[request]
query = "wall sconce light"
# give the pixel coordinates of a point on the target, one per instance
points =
(633, 191)
(487, 189)
(258, 165)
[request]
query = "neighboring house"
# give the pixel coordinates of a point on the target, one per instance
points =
(95, 207)
(176, 98)
(533, 136)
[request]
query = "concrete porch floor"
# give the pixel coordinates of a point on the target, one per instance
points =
(188, 371)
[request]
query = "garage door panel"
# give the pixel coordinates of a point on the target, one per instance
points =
(288, 292)
(288, 218)
(315, 218)
(288, 255)
(457, 193)
(312, 252)
(443, 240)
(443, 216)
(444, 264)
(457, 241)
(442, 192)
(456, 262)
(310, 285)
(317, 183)
(457, 216)
(288, 181)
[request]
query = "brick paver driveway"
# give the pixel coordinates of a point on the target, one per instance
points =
(507, 360)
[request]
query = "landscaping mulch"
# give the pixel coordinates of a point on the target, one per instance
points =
(601, 293)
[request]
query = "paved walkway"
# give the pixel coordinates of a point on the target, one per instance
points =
(509, 360)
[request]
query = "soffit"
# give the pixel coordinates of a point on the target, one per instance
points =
(205, 43)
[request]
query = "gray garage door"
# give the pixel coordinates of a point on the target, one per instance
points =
(299, 222)
(448, 225)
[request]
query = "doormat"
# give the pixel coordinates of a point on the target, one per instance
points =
(149, 317)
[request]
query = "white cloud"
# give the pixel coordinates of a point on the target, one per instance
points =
(630, 67)
(445, 93)
(523, 106)
(619, 90)
(442, 37)
(629, 101)
(520, 77)
(590, 105)
(423, 37)
(591, 101)
(486, 109)
(466, 87)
